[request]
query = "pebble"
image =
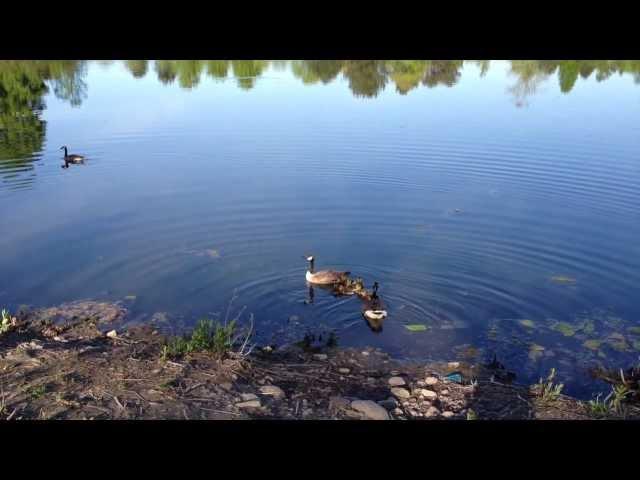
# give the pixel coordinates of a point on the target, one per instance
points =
(400, 392)
(249, 404)
(429, 394)
(366, 354)
(397, 381)
(397, 411)
(272, 390)
(320, 356)
(338, 403)
(447, 414)
(431, 380)
(432, 412)
(248, 396)
(444, 392)
(370, 409)
(453, 364)
(112, 334)
(307, 411)
(344, 370)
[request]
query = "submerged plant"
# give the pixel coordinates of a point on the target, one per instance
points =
(546, 389)
(598, 408)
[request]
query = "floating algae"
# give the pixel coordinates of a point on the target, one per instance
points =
(592, 344)
(564, 328)
(618, 342)
(535, 351)
(562, 279)
(417, 327)
(527, 323)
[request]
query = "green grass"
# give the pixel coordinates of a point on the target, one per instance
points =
(36, 392)
(547, 390)
(206, 337)
(5, 322)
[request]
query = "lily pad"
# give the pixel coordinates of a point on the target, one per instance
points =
(588, 327)
(527, 323)
(416, 327)
(564, 328)
(563, 279)
(592, 344)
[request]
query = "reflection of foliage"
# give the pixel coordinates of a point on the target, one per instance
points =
(246, 72)
(218, 68)
(166, 70)
(138, 68)
(23, 85)
(189, 73)
(366, 77)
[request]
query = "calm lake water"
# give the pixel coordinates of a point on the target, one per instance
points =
(496, 203)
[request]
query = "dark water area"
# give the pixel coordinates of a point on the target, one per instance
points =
(496, 203)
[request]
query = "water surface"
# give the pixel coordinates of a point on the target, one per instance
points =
(495, 202)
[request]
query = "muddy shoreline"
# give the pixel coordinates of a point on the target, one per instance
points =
(76, 361)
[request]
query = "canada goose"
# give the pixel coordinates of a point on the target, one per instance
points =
(323, 277)
(372, 307)
(73, 158)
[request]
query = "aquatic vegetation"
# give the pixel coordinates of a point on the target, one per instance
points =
(635, 330)
(562, 279)
(592, 344)
(598, 408)
(527, 323)
(546, 389)
(7, 321)
(36, 392)
(535, 351)
(472, 415)
(131, 298)
(417, 327)
(212, 253)
(636, 345)
(564, 328)
(618, 342)
(207, 336)
(588, 326)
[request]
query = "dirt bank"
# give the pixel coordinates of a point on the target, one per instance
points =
(59, 363)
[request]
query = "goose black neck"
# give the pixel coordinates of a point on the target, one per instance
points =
(311, 265)
(65, 152)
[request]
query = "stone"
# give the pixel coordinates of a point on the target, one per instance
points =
(448, 414)
(444, 392)
(429, 394)
(420, 383)
(453, 364)
(344, 371)
(112, 334)
(272, 390)
(249, 404)
(397, 411)
(248, 396)
(397, 381)
(400, 392)
(432, 412)
(370, 409)
(365, 353)
(338, 403)
(431, 380)
(320, 356)
(390, 403)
